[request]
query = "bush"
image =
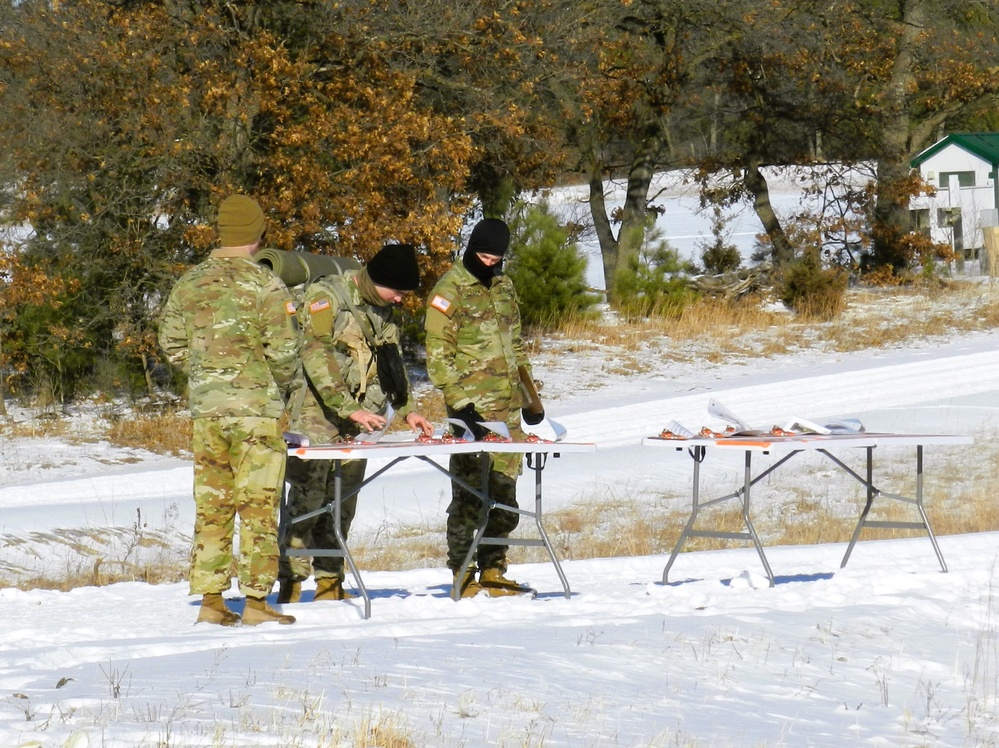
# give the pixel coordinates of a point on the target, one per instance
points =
(812, 290)
(655, 283)
(547, 268)
(719, 255)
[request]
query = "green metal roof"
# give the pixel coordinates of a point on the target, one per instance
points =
(985, 145)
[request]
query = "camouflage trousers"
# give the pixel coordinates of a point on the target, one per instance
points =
(311, 486)
(465, 510)
(239, 468)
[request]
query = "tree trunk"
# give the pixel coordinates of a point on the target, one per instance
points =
(148, 375)
(602, 224)
(618, 252)
(891, 209)
(756, 183)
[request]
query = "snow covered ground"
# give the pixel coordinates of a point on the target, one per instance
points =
(888, 651)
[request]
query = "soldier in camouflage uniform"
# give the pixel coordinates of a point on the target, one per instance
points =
(354, 369)
(474, 352)
(230, 325)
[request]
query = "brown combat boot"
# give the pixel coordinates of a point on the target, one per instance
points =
(213, 610)
(497, 585)
(258, 611)
(290, 591)
(330, 588)
(468, 586)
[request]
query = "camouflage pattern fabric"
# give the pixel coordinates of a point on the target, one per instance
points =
(230, 325)
(465, 512)
(239, 466)
(339, 364)
(311, 486)
(342, 378)
(474, 347)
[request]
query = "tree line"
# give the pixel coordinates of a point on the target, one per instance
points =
(124, 122)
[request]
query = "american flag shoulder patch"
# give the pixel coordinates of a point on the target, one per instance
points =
(442, 305)
(289, 307)
(318, 306)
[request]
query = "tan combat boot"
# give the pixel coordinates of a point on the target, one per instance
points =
(468, 586)
(258, 611)
(290, 591)
(213, 610)
(497, 585)
(330, 588)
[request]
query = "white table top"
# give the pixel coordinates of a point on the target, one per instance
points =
(768, 443)
(412, 448)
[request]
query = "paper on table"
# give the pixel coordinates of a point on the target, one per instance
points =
(370, 437)
(497, 427)
(295, 440)
(558, 428)
(803, 426)
(465, 435)
(718, 410)
(846, 426)
(675, 427)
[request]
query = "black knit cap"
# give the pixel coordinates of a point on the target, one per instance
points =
(490, 236)
(395, 267)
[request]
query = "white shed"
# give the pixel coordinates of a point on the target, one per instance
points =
(963, 169)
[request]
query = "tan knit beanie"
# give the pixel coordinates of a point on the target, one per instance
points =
(241, 221)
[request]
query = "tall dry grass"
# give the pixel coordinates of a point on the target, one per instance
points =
(714, 331)
(164, 433)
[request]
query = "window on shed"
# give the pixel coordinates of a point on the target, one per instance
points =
(964, 179)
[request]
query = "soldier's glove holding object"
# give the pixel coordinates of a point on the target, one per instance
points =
(471, 418)
(392, 374)
(533, 411)
(532, 418)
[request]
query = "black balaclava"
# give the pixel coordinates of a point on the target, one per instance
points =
(491, 237)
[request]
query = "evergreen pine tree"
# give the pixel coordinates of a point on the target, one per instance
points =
(547, 267)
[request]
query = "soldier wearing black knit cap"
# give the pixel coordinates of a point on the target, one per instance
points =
(354, 371)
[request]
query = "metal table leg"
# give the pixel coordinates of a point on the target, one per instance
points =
(697, 453)
(535, 462)
(873, 492)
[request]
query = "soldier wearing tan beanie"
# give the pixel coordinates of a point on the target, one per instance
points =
(240, 221)
(229, 323)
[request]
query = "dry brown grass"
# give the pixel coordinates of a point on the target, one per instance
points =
(102, 572)
(715, 331)
(166, 433)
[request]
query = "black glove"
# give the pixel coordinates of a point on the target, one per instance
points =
(471, 418)
(532, 419)
(392, 374)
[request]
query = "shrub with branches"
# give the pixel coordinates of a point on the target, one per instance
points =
(813, 290)
(656, 282)
(547, 267)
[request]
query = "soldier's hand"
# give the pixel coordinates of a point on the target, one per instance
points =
(367, 420)
(418, 423)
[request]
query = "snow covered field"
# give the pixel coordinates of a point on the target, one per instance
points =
(888, 651)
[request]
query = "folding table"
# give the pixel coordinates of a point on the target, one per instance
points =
(787, 447)
(537, 454)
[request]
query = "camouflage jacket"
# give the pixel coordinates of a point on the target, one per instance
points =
(340, 367)
(474, 345)
(230, 325)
